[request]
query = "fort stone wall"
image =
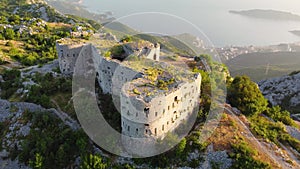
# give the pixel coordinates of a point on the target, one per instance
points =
(153, 53)
(162, 114)
(153, 119)
(67, 56)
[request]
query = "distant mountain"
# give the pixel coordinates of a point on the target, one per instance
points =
(260, 66)
(169, 43)
(268, 14)
(74, 8)
(119, 29)
(195, 43)
(283, 91)
(295, 32)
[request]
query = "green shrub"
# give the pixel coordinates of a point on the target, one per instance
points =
(91, 161)
(246, 96)
(243, 157)
(278, 115)
(9, 43)
(117, 50)
(47, 86)
(107, 54)
(51, 144)
(126, 39)
(12, 82)
(9, 34)
(274, 131)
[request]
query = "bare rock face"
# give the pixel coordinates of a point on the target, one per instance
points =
(4, 110)
(110, 36)
(282, 90)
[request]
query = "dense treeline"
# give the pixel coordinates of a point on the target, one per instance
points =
(51, 144)
(46, 86)
(12, 82)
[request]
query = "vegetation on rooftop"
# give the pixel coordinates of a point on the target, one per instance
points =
(136, 91)
(152, 74)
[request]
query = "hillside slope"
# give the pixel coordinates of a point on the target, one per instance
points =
(27, 8)
(260, 66)
(29, 30)
(69, 7)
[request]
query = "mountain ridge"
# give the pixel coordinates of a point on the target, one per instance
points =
(268, 14)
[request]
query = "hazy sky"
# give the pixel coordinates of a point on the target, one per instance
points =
(121, 7)
(212, 17)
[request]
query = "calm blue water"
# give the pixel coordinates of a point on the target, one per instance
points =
(211, 16)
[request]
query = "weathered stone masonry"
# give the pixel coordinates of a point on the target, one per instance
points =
(163, 113)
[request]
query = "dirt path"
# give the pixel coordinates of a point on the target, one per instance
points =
(259, 146)
(64, 117)
(6, 67)
(291, 154)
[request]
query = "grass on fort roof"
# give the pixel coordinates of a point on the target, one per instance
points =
(158, 76)
(144, 65)
(102, 43)
(72, 41)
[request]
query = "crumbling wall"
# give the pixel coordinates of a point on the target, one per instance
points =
(153, 53)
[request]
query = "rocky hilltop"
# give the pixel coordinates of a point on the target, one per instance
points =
(284, 91)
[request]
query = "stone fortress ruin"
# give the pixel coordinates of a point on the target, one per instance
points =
(153, 97)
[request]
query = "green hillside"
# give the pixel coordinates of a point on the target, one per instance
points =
(169, 43)
(69, 7)
(28, 31)
(24, 9)
(261, 66)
